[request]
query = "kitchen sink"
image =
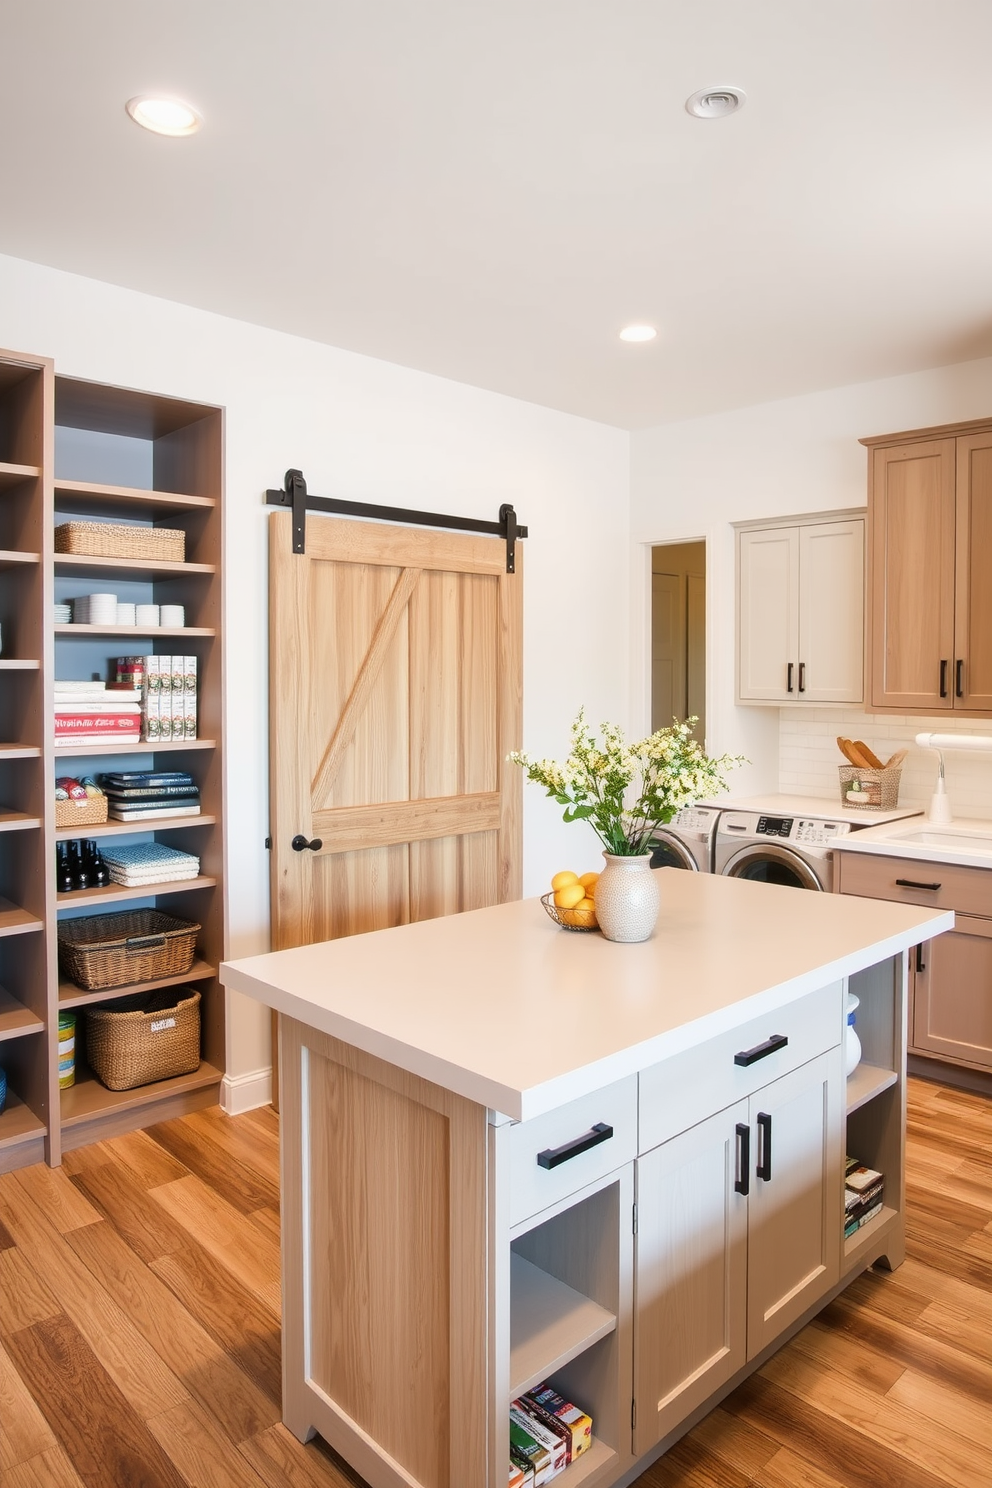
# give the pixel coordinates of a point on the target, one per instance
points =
(963, 840)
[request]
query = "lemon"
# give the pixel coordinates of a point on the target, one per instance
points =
(588, 880)
(569, 895)
(563, 879)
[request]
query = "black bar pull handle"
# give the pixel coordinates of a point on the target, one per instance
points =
(920, 963)
(959, 678)
(553, 1157)
(943, 678)
(764, 1166)
(788, 677)
(742, 1182)
(761, 1051)
(802, 676)
(911, 883)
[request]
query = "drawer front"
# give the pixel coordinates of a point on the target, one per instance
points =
(680, 1092)
(908, 881)
(554, 1139)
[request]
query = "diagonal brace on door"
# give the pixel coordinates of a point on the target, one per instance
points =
(295, 495)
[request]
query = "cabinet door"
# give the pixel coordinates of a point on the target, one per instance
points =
(768, 628)
(690, 1276)
(911, 545)
(952, 1004)
(795, 1216)
(831, 612)
(973, 592)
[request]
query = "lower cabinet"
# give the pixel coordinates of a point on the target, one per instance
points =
(952, 994)
(738, 1234)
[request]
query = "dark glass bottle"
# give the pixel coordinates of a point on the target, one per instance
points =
(78, 867)
(63, 872)
(99, 875)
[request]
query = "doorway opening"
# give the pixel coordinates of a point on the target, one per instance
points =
(678, 635)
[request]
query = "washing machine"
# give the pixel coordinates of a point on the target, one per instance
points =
(687, 841)
(788, 839)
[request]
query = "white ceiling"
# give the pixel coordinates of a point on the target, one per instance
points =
(490, 189)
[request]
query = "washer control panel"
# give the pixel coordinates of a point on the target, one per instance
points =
(808, 831)
(775, 826)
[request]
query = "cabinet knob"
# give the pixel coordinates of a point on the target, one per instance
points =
(300, 844)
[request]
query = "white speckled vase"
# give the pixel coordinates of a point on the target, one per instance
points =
(627, 898)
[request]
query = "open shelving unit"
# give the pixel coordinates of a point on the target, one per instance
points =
(876, 1100)
(71, 449)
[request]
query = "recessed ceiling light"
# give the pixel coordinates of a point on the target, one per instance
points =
(164, 115)
(715, 103)
(638, 333)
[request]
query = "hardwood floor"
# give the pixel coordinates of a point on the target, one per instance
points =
(139, 1334)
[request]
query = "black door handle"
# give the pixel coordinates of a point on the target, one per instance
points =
(761, 1051)
(553, 1157)
(300, 844)
(959, 679)
(742, 1182)
(802, 676)
(943, 679)
(920, 963)
(764, 1167)
(788, 679)
(910, 883)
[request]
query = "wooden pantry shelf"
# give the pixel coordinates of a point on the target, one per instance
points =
(14, 558)
(867, 1081)
(864, 1236)
(12, 475)
(17, 821)
(594, 1461)
(19, 751)
(108, 501)
(15, 1019)
(71, 996)
(73, 751)
(137, 632)
(18, 1123)
(81, 564)
(117, 893)
(17, 921)
(88, 1099)
(15, 664)
(550, 1323)
(120, 829)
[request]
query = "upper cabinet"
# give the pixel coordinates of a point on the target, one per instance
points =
(930, 547)
(801, 611)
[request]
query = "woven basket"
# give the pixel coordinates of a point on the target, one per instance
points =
(562, 916)
(147, 1037)
(120, 540)
(113, 950)
(881, 787)
(88, 813)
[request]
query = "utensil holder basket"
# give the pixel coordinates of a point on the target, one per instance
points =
(881, 787)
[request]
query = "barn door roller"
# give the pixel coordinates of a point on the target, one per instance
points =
(295, 495)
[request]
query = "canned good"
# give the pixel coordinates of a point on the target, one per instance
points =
(67, 1050)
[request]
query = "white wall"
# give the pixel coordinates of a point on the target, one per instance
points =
(374, 432)
(693, 479)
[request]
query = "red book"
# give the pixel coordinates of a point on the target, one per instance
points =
(102, 723)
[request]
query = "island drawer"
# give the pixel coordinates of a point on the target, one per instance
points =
(910, 881)
(680, 1092)
(560, 1152)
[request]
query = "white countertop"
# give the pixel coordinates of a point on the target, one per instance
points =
(964, 842)
(503, 1007)
(827, 808)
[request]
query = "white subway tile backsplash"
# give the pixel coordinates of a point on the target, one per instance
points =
(808, 755)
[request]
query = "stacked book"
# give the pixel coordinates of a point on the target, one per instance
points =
(134, 795)
(864, 1189)
(149, 863)
(167, 686)
(92, 713)
(547, 1433)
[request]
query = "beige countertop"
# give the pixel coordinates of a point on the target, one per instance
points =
(966, 843)
(828, 808)
(501, 1006)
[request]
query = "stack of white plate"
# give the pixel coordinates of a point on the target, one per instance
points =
(63, 614)
(95, 609)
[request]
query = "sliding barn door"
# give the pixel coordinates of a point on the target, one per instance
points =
(395, 696)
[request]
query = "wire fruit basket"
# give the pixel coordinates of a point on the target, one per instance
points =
(570, 919)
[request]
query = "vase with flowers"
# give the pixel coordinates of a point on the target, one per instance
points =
(625, 791)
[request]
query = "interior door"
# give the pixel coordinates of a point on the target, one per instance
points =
(973, 592)
(395, 697)
(795, 1218)
(668, 649)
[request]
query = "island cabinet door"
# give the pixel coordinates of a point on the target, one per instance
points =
(795, 1217)
(690, 1274)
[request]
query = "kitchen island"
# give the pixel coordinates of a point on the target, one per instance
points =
(512, 1153)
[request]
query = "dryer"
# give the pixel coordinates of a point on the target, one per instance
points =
(687, 841)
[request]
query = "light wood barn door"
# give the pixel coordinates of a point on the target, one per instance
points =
(395, 697)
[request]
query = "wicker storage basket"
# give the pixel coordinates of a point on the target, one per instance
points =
(150, 1036)
(120, 540)
(88, 813)
(881, 787)
(113, 950)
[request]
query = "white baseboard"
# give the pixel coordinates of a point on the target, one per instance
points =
(240, 1093)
